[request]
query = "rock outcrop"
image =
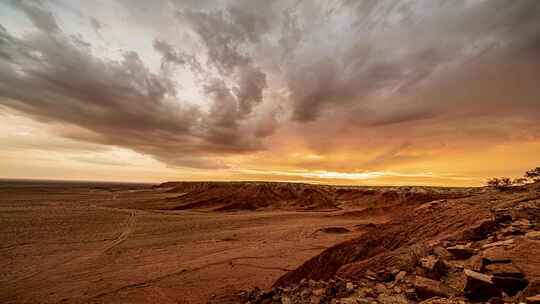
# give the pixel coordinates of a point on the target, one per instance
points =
(479, 249)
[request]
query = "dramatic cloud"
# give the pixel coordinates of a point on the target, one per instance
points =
(359, 85)
(41, 18)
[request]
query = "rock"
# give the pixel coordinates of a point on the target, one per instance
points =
(504, 270)
(475, 263)
(380, 288)
(479, 286)
(511, 230)
(427, 288)
(532, 289)
(488, 261)
(370, 275)
(522, 223)
(338, 289)
(434, 267)
(503, 217)
(318, 292)
(400, 276)
(347, 301)
(410, 294)
(366, 292)
(534, 300)
(480, 231)
(385, 276)
(305, 293)
(534, 235)
(461, 252)
(442, 301)
(499, 244)
(441, 252)
(396, 299)
(511, 286)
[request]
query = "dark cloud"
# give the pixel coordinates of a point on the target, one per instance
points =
(169, 54)
(96, 25)
(370, 71)
(251, 83)
(120, 102)
(41, 18)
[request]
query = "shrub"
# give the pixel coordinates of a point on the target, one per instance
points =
(501, 184)
(533, 174)
(520, 181)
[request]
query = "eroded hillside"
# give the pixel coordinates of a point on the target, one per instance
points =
(473, 249)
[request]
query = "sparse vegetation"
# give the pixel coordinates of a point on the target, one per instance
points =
(533, 174)
(520, 181)
(505, 183)
(501, 184)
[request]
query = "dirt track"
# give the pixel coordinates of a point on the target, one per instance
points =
(81, 244)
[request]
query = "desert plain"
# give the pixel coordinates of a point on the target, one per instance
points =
(115, 243)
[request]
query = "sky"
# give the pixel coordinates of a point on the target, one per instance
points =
(363, 92)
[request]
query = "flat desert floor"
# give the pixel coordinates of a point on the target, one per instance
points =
(90, 243)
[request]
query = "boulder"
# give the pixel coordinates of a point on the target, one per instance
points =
(479, 286)
(504, 270)
(427, 288)
(434, 267)
(461, 252)
(480, 230)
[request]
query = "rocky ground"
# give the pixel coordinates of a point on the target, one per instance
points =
(481, 249)
(217, 242)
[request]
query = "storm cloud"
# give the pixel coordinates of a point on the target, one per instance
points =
(214, 79)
